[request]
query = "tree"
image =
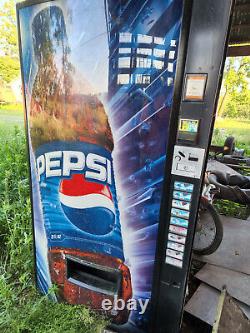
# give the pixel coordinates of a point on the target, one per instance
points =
(9, 61)
(237, 106)
(9, 69)
(8, 31)
(235, 88)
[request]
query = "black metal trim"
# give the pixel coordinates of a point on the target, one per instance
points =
(173, 130)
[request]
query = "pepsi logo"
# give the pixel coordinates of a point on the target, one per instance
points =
(87, 205)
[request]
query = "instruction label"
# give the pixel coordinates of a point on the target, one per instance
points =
(188, 161)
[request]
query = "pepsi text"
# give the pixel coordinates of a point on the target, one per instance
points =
(63, 163)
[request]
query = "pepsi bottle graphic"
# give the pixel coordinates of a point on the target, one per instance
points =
(73, 143)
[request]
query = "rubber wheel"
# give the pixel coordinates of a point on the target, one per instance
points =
(209, 230)
(229, 146)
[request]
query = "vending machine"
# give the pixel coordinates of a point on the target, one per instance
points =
(120, 99)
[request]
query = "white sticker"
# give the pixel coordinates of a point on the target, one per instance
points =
(171, 55)
(173, 42)
(177, 238)
(188, 161)
(170, 67)
(176, 246)
(174, 254)
(174, 262)
(195, 87)
(178, 230)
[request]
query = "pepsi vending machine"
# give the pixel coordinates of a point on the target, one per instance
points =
(120, 99)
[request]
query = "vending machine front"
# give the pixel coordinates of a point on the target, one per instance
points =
(120, 99)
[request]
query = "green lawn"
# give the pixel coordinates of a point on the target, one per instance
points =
(9, 119)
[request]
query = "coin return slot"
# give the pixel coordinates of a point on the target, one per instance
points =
(93, 277)
(176, 285)
(172, 284)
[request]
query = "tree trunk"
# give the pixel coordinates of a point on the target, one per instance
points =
(221, 106)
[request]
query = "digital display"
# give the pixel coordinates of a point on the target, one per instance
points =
(189, 125)
(188, 130)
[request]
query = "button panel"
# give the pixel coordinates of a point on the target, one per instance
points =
(179, 222)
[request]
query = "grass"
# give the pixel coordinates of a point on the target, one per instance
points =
(240, 129)
(22, 309)
(228, 208)
(18, 107)
(9, 119)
